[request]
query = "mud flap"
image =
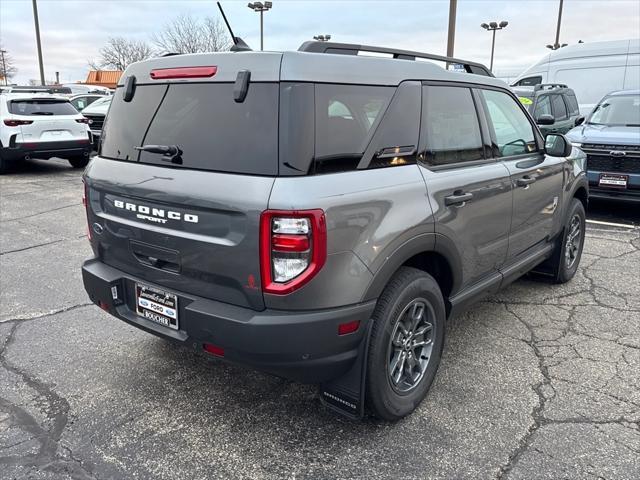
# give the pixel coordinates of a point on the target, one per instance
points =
(345, 394)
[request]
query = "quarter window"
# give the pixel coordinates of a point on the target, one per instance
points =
(559, 108)
(529, 81)
(450, 125)
(512, 130)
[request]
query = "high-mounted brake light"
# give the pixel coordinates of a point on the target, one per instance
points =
(17, 123)
(293, 248)
(183, 72)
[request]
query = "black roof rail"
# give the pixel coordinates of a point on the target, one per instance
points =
(542, 86)
(353, 49)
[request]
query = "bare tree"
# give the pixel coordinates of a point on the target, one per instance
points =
(120, 52)
(7, 67)
(186, 34)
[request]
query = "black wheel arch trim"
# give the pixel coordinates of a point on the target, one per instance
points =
(424, 243)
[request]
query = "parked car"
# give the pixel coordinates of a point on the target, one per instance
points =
(82, 101)
(55, 89)
(611, 139)
(42, 126)
(592, 69)
(331, 245)
(82, 88)
(95, 114)
(553, 107)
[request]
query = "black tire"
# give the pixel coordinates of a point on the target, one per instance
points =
(385, 397)
(79, 162)
(568, 251)
(4, 164)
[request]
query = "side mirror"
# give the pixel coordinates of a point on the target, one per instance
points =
(556, 145)
(545, 119)
(579, 121)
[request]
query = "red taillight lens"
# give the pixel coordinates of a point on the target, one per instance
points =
(83, 120)
(17, 123)
(293, 248)
(183, 72)
(213, 349)
(289, 243)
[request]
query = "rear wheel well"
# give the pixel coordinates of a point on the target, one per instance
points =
(438, 267)
(581, 194)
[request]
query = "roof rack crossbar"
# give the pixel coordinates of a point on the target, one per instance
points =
(354, 49)
(541, 86)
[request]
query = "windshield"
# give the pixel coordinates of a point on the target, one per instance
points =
(619, 110)
(41, 107)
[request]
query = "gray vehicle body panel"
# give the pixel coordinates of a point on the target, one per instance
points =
(377, 219)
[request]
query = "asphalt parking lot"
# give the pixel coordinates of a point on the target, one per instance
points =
(540, 381)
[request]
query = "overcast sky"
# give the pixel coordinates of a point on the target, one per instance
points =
(74, 30)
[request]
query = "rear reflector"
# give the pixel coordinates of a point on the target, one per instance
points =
(104, 306)
(183, 72)
(213, 349)
(349, 327)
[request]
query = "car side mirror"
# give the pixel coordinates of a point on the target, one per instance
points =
(579, 121)
(556, 145)
(545, 119)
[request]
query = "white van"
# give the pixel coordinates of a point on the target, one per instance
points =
(591, 69)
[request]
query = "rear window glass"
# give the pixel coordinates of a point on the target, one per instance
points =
(212, 131)
(346, 117)
(41, 107)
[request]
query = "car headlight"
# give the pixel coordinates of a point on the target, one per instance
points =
(576, 144)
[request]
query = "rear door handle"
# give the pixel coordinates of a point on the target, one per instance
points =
(458, 198)
(526, 180)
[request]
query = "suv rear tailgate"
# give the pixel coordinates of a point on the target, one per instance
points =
(189, 231)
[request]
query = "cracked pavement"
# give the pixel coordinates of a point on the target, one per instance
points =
(538, 382)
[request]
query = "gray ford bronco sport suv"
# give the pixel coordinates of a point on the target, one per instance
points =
(319, 214)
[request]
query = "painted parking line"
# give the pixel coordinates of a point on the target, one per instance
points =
(612, 224)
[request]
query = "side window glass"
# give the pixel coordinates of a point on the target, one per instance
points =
(559, 108)
(543, 106)
(529, 81)
(450, 125)
(513, 132)
(572, 103)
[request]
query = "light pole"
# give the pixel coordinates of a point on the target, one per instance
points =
(557, 45)
(492, 27)
(35, 19)
(322, 38)
(4, 67)
(260, 7)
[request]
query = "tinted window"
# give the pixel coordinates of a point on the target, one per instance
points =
(212, 130)
(572, 104)
(451, 127)
(346, 116)
(529, 81)
(41, 107)
(559, 108)
(513, 132)
(543, 106)
(127, 122)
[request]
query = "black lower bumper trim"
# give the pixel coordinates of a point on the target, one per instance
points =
(299, 345)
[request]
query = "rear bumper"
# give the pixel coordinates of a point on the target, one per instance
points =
(630, 194)
(299, 345)
(65, 149)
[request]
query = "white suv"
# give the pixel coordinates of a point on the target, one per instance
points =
(42, 126)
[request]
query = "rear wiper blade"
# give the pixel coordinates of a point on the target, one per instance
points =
(42, 113)
(170, 153)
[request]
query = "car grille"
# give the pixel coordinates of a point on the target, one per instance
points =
(599, 158)
(96, 121)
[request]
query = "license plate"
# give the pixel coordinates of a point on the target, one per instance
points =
(614, 181)
(158, 306)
